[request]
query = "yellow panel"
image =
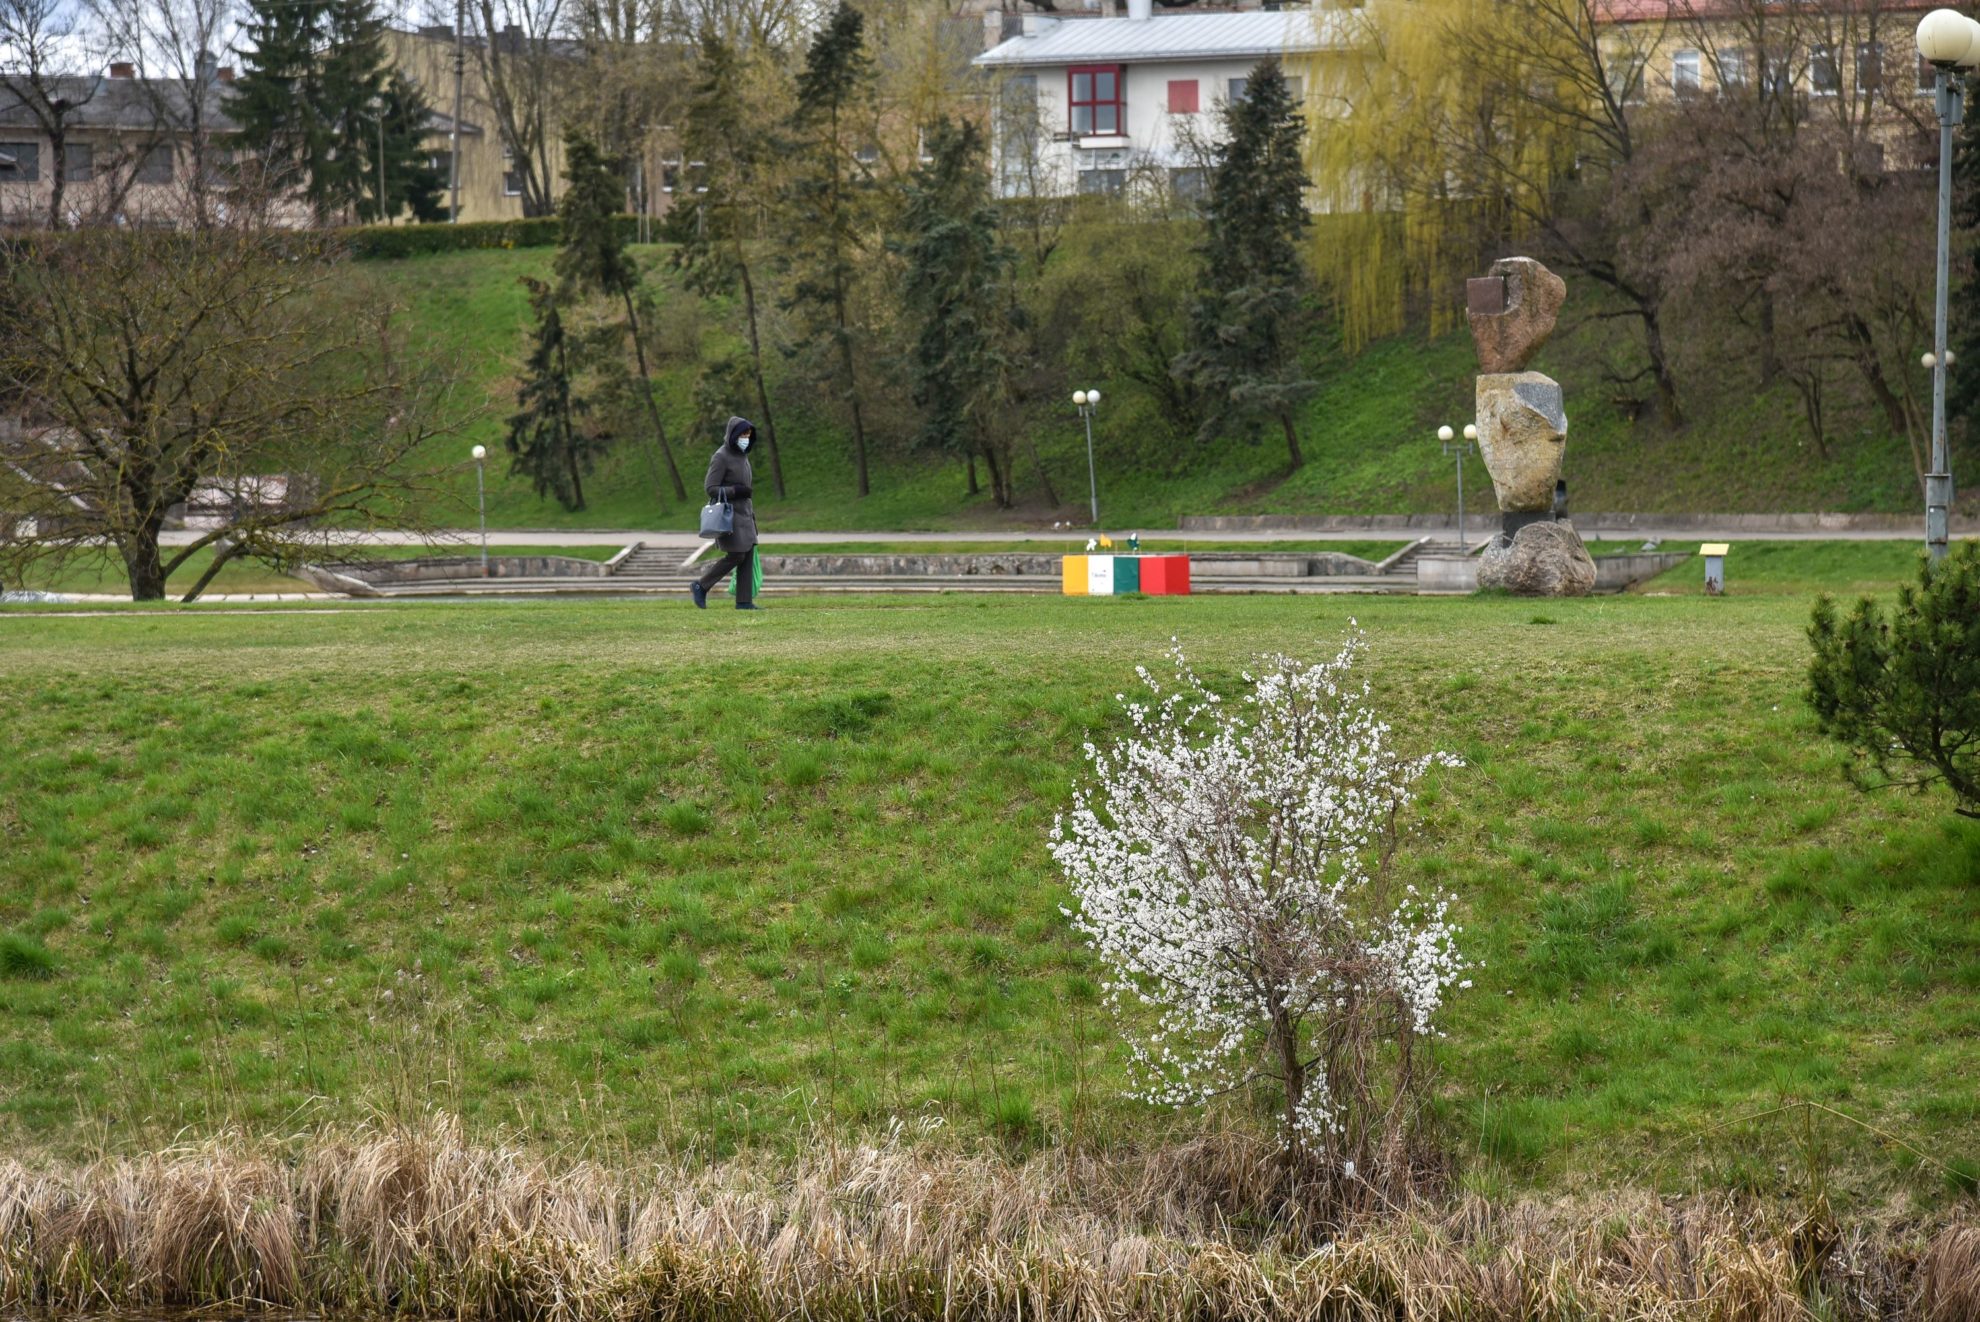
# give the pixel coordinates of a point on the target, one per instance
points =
(1712, 548)
(1074, 570)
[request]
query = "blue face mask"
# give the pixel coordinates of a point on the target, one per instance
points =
(742, 443)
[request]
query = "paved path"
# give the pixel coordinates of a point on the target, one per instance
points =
(536, 537)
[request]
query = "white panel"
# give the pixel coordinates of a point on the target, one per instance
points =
(1100, 576)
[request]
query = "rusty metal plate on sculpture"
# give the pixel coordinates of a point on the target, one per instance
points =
(1508, 339)
(1485, 295)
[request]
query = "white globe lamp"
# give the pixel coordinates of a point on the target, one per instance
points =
(1944, 37)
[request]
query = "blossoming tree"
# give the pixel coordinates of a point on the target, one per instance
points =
(1231, 867)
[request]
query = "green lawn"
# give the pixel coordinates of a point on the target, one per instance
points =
(629, 876)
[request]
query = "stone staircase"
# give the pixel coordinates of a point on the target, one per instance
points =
(650, 568)
(1404, 561)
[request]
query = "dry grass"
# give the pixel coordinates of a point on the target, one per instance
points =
(418, 1222)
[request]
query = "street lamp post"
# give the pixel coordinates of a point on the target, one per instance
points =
(480, 454)
(1460, 449)
(1087, 401)
(1950, 42)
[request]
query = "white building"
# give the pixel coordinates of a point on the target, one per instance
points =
(1086, 104)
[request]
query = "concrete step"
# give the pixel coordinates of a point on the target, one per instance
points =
(790, 584)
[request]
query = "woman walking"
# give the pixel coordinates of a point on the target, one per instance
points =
(729, 479)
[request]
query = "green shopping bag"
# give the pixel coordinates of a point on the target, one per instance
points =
(755, 576)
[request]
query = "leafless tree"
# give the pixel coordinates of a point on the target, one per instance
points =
(171, 43)
(238, 370)
(44, 49)
(522, 55)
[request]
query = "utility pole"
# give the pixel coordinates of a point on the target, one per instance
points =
(454, 138)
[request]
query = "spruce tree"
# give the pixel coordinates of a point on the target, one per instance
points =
(829, 199)
(548, 439)
(953, 291)
(1247, 328)
(714, 228)
(276, 99)
(592, 257)
(313, 101)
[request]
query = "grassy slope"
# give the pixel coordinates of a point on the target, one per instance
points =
(631, 874)
(1369, 438)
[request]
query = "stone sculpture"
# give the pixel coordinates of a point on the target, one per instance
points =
(1522, 434)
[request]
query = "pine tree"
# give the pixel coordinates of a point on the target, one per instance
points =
(592, 257)
(714, 228)
(316, 102)
(1247, 328)
(829, 199)
(548, 438)
(953, 291)
(276, 99)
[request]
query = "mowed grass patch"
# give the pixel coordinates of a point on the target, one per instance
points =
(631, 874)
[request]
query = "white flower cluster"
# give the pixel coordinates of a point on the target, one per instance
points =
(1228, 867)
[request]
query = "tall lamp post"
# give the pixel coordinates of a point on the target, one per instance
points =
(1087, 401)
(1461, 449)
(480, 454)
(1950, 42)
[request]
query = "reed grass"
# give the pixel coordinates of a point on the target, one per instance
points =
(416, 1221)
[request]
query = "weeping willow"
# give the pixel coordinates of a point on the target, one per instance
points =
(1441, 128)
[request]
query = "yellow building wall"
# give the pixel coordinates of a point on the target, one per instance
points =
(429, 62)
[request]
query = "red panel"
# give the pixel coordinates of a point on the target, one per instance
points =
(1165, 575)
(1182, 96)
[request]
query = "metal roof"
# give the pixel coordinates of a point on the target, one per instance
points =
(1171, 37)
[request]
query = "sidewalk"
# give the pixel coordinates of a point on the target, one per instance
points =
(1261, 529)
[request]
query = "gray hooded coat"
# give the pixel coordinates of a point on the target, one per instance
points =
(729, 474)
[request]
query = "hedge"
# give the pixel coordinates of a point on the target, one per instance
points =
(371, 242)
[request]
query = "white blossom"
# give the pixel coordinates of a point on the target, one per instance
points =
(1228, 866)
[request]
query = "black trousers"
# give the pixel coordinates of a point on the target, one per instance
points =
(739, 561)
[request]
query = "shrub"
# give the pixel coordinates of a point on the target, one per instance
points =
(1903, 692)
(1231, 869)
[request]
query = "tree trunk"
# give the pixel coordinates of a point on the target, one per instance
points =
(1044, 478)
(852, 392)
(577, 482)
(1284, 1045)
(1660, 366)
(969, 460)
(652, 406)
(1863, 348)
(1770, 357)
(1000, 487)
(58, 139)
(141, 562)
(222, 553)
(762, 392)
(1293, 454)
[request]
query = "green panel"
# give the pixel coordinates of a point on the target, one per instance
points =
(1127, 574)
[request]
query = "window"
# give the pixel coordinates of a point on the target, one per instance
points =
(1824, 75)
(1234, 89)
(1684, 71)
(78, 161)
(1869, 67)
(1097, 104)
(1102, 182)
(156, 167)
(1188, 183)
(1927, 75)
(20, 162)
(1182, 96)
(1776, 74)
(511, 177)
(1296, 89)
(1732, 69)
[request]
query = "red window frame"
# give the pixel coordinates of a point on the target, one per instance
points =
(1099, 109)
(1183, 96)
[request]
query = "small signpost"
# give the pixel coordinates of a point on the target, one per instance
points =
(1715, 568)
